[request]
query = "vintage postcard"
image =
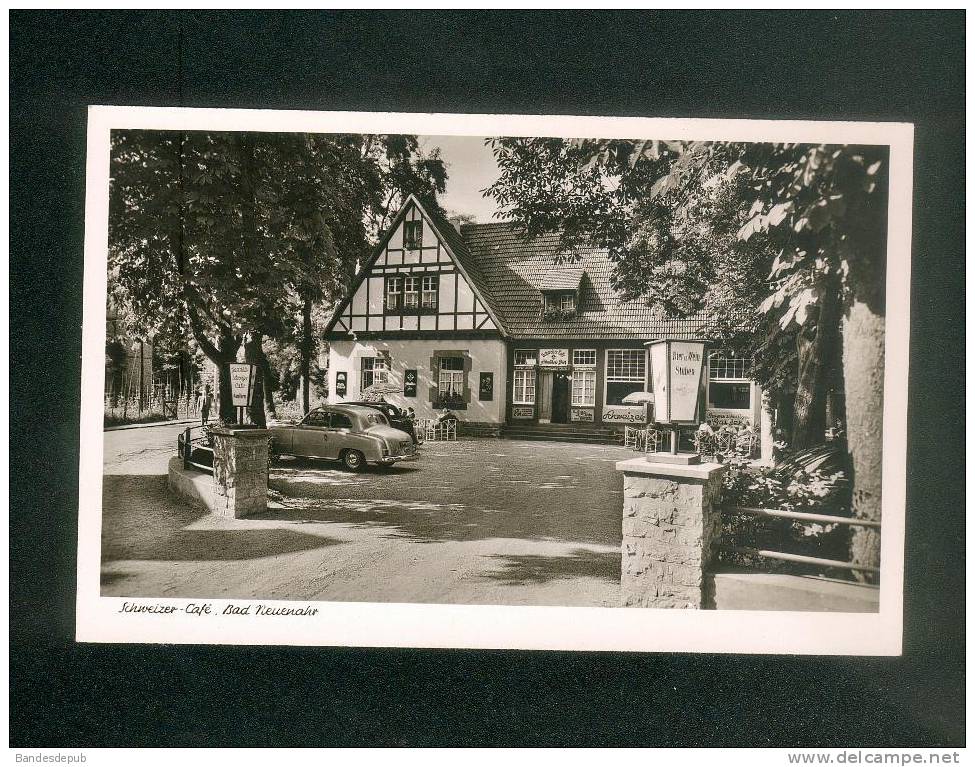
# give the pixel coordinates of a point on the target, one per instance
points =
(494, 381)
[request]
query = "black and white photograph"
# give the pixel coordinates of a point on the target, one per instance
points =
(498, 370)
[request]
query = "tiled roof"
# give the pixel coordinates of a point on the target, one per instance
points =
(560, 277)
(511, 271)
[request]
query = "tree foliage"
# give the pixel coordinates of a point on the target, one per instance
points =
(232, 236)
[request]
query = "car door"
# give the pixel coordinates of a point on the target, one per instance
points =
(340, 428)
(311, 435)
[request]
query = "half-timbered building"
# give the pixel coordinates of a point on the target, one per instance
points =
(507, 333)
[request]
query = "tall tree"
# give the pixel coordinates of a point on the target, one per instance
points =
(232, 237)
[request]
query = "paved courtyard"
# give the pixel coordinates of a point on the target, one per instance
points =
(474, 522)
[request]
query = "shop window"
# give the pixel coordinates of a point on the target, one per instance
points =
(524, 386)
(431, 286)
(726, 367)
(584, 358)
(450, 384)
(394, 294)
(525, 358)
(626, 372)
(733, 396)
(413, 235)
(375, 370)
(584, 388)
(729, 386)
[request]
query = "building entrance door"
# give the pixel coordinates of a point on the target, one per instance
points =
(545, 396)
(560, 398)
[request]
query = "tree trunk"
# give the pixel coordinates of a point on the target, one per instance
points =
(306, 348)
(267, 384)
(253, 354)
(863, 369)
(817, 355)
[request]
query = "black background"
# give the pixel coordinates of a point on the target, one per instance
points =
(883, 66)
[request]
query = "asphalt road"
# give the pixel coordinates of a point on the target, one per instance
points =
(472, 522)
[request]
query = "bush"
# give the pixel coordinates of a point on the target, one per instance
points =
(813, 491)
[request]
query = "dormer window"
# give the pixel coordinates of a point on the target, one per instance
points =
(413, 235)
(559, 305)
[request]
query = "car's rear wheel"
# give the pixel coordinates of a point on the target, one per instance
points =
(353, 460)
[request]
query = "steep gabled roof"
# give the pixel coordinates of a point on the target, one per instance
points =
(515, 270)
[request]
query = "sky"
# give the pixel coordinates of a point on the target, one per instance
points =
(470, 168)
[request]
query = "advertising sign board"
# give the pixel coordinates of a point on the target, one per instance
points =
(553, 359)
(409, 383)
(341, 383)
(242, 383)
(485, 389)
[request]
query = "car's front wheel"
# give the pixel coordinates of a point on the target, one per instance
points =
(353, 460)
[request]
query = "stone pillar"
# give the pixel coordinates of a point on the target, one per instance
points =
(671, 519)
(239, 471)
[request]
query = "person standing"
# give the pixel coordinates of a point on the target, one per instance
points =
(205, 404)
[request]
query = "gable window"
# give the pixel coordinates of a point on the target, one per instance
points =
(411, 294)
(375, 370)
(413, 234)
(394, 293)
(450, 382)
(430, 288)
(567, 302)
(626, 372)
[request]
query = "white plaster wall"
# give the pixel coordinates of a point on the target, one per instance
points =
(486, 356)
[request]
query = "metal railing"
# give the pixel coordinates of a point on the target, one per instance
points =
(802, 517)
(196, 452)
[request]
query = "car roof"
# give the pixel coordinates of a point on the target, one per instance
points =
(347, 408)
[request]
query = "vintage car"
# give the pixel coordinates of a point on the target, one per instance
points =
(396, 417)
(352, 434)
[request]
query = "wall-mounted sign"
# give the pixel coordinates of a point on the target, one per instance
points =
(582, 414)
(341, 383)
(623, 414)
(485, 389)
(676, 368)
(242, 383)
(409, 383)
(736, 418)
(553, 358)
(519, 411)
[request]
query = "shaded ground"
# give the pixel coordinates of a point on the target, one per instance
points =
(474, 522)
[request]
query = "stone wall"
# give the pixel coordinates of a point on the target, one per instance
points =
(239, 471)
(671, 521)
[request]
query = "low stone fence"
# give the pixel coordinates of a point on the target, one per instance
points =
(671, 532)
(238, 486)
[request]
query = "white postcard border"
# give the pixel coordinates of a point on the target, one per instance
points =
(100, 619)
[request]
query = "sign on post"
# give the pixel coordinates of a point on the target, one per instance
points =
(242, 377)
(676, 369)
